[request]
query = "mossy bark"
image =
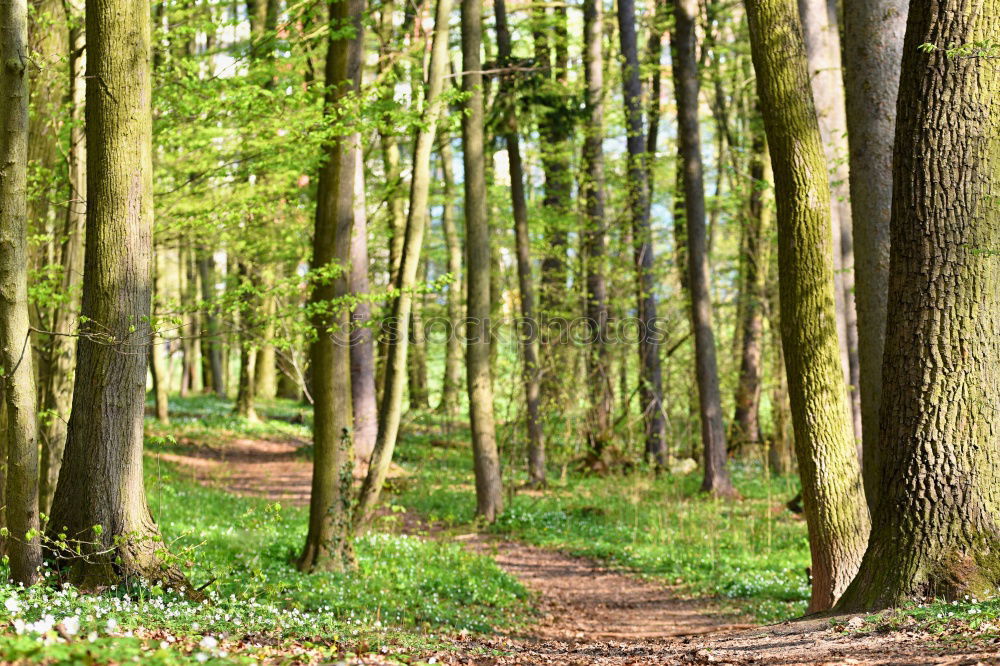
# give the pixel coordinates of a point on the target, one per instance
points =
(836, 513)
(17, 376)
(935, 524)
(101, 480)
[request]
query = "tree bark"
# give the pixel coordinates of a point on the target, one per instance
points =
(417, 361)
(873, 36)
(489, 495)
(713, 437)
(527, 331)
(650, 381)
(57, 388)
(820, 29)
(362, 339)
(157, 362)
(328, 543)
(935, 525)
(600, 389)
(836, 514)
(745, 419)
(214, 378)
(101, 480)
(21, 492)
(390, 407)
(452, 385)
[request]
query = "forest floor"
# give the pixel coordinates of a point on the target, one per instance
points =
(592, 614)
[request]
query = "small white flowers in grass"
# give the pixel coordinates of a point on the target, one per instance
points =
(112, 624)
(12, 605)
(70, 625)
(201, 657)
(208, 643)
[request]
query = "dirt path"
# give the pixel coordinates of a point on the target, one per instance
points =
(590, 614)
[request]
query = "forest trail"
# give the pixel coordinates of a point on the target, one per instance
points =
(589, 614)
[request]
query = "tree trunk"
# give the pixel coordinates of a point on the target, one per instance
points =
(822, 38)
(452, 385)
(746, 425)
(362, 341)
(935, 525)
(650, 381)
(157, 362)
(713, 437)
(527, 331)
(101, 480)
(600, 389)
(836, 514)
(417, 361)
(489, 496)
(264, 366)
(246, 389)
(873, 36)
(390, 407)
(328, 543)
(21, 491)
(212, 341)
(57, 389)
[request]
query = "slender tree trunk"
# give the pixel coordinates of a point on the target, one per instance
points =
(745, 420)
(362, 341)
(417, 361)
(935, 525)
(822, 38)
(836, 514)
(651, 383)
(212, 340)
(873, 36)
(246, 389)
(489, 495)
(21, 491)
(601, 391)
(57, 390)
(264, 366)
(713, 437)
(101, 480)
(452, 384)
(528, 330)
(157, 361)
(390, 407)
(328, 543)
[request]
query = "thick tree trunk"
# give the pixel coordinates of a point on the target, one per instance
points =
(362, 340)
(101, 480)
(873, 36)
(328, 543)
(21, 490)
(489, 495)
(650, 379)
(600, 388)
(822, 38)
(935, 525)
(713, 436)
(390, 407)
(452, 385)
(836, 514)
(528, 330)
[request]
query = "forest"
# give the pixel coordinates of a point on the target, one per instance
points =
(509, 332)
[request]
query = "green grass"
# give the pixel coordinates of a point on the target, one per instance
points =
(405, 593)
(751, 554)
